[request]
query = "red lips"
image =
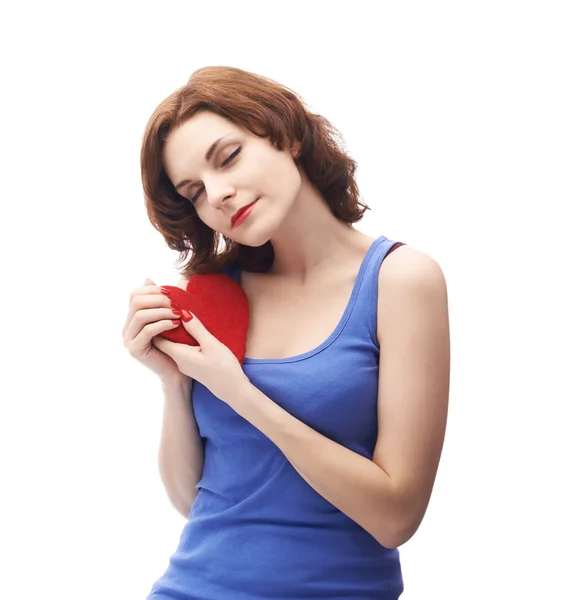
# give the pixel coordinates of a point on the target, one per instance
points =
(239, 212)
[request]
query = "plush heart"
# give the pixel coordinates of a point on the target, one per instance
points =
(220, 303)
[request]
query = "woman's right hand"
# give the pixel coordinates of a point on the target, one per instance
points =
(150, 314)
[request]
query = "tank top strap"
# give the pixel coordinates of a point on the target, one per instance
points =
(363, 318)
(360, 318)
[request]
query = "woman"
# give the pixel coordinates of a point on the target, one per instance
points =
(303, 469)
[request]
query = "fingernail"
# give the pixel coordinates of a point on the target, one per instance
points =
(185, 316)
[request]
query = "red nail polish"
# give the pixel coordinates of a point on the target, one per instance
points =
(185, 316)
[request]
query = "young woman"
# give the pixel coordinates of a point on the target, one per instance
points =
(303, 469)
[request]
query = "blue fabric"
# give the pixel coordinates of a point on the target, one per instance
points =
(257, 529)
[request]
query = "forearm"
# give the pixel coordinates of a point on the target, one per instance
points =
(180, 456)
(350, 481)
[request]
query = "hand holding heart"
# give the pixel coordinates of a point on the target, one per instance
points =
(211, 363)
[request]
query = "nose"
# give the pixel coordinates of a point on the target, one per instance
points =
(218, 192)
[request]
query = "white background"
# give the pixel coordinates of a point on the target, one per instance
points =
(453, 112)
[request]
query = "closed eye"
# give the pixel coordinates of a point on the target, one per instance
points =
(231, 157)
(237, 151)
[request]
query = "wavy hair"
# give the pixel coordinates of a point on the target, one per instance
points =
(267, 109)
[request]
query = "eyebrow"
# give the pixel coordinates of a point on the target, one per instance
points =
(208, 157)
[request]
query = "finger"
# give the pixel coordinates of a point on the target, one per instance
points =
(147, 288)
(195, 328)
(138, 345)
(176, 350)
(145, 298)
(137, 319)
(165, 345)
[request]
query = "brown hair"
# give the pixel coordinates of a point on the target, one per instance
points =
(267, 109)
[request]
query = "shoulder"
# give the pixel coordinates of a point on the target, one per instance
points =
(408, 269)
(410, 281)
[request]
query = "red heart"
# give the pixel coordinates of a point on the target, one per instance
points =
(220, 303)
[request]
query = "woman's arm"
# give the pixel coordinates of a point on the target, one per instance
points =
(180, 456)
(389, 494)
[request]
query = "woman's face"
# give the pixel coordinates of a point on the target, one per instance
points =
(241, 169)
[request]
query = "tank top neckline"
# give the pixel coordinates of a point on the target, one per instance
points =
(339, 327)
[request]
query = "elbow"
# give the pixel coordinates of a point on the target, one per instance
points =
(401, 530)
(185, 508)
(185, 512)
(405, 520)
(396, 538)
(181, 507)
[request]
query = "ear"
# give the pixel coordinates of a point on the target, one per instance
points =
(295, 149)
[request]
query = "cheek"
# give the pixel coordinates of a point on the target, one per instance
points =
(207, 217)
(274, 168)
(292, 182)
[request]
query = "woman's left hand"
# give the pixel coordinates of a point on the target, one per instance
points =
(211, 363)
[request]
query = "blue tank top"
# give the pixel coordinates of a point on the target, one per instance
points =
(257, 529)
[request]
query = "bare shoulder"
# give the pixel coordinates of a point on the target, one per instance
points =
(408, 279)
(410, 265)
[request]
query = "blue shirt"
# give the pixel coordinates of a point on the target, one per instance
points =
(257, 530)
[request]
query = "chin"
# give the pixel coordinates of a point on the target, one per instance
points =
(253, 241)
(254, 235)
